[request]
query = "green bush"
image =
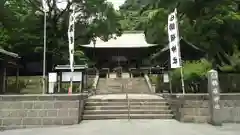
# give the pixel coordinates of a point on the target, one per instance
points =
(227, 68)
(193, 73)
(12, 86)
(65, 87)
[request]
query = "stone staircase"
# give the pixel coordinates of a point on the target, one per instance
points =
(117, 108)
(114, 85)
(109, 86)
(136, 85)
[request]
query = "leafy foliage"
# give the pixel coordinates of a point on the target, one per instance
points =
(194, 72)
(208, 24)
(21, 27)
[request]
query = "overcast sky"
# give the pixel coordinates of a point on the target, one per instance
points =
(116, 3)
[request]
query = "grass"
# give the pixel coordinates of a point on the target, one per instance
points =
(33, 85)
(153, 79)
(27, 85)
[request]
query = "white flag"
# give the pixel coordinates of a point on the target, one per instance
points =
(173, 38)
(45, 5)
(71, 39)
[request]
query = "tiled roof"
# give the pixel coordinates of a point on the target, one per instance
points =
(9, 53)
(126, 40)
(76, 67)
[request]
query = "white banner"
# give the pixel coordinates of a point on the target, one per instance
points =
(45, 5)
(173, 37)
(71, 30)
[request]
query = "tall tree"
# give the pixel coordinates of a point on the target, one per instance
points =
(23, 19)
(211, 25)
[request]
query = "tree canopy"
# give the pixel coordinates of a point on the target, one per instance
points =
(208, 24)
(21, 27)
(211, 25)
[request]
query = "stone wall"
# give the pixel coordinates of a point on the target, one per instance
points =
(195, 107)
(21, 111)
(230, 104)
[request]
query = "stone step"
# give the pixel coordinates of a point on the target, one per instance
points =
(86, 112)
(125, 103)
(125, 116)
(195, 119)
(125, 100)
(113, 85)
(120, 92)
(143, 107)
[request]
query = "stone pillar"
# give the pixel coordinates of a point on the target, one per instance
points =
(214, 98)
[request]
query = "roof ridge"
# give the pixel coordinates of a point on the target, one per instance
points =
(133, 32)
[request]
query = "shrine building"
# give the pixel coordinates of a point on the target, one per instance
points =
(126, 51)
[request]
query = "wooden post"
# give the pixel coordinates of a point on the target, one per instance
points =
(1, 76)
(4, 78)
(59, 81)
(17, 80)
(82, 86)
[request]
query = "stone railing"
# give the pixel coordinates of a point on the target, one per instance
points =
(147, 79)
(21, 111)
(196, 108)
(95, 81)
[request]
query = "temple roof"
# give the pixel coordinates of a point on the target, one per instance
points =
(126, 40)
(9, 53)
(67, 67)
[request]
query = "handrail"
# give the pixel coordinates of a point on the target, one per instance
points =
(128, 104)
(147, 79)
(127, 98)
(95, 82)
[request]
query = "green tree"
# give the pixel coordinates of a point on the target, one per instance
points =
(23, 22)
(209, 24)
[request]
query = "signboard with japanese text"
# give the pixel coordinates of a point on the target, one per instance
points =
(165, 78)
(66, 76)
(173, 38)
(214, 88)
(45, 5)
(52, 77)
(214, 97)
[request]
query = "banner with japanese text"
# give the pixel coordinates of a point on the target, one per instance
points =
(45, 5)
(173, 37)
(71, 37)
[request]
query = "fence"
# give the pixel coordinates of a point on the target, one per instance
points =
(229, 83)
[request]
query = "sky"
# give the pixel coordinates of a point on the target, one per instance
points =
(117, 3)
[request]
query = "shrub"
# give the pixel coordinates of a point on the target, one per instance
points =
(194, 72)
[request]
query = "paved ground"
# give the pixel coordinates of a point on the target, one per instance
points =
(136, 127)
(123, 96)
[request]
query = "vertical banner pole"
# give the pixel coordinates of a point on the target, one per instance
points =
(44, 53)
(71, 84)
(71, 31)
(181, 62)
(174, 44)
(182, 80)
